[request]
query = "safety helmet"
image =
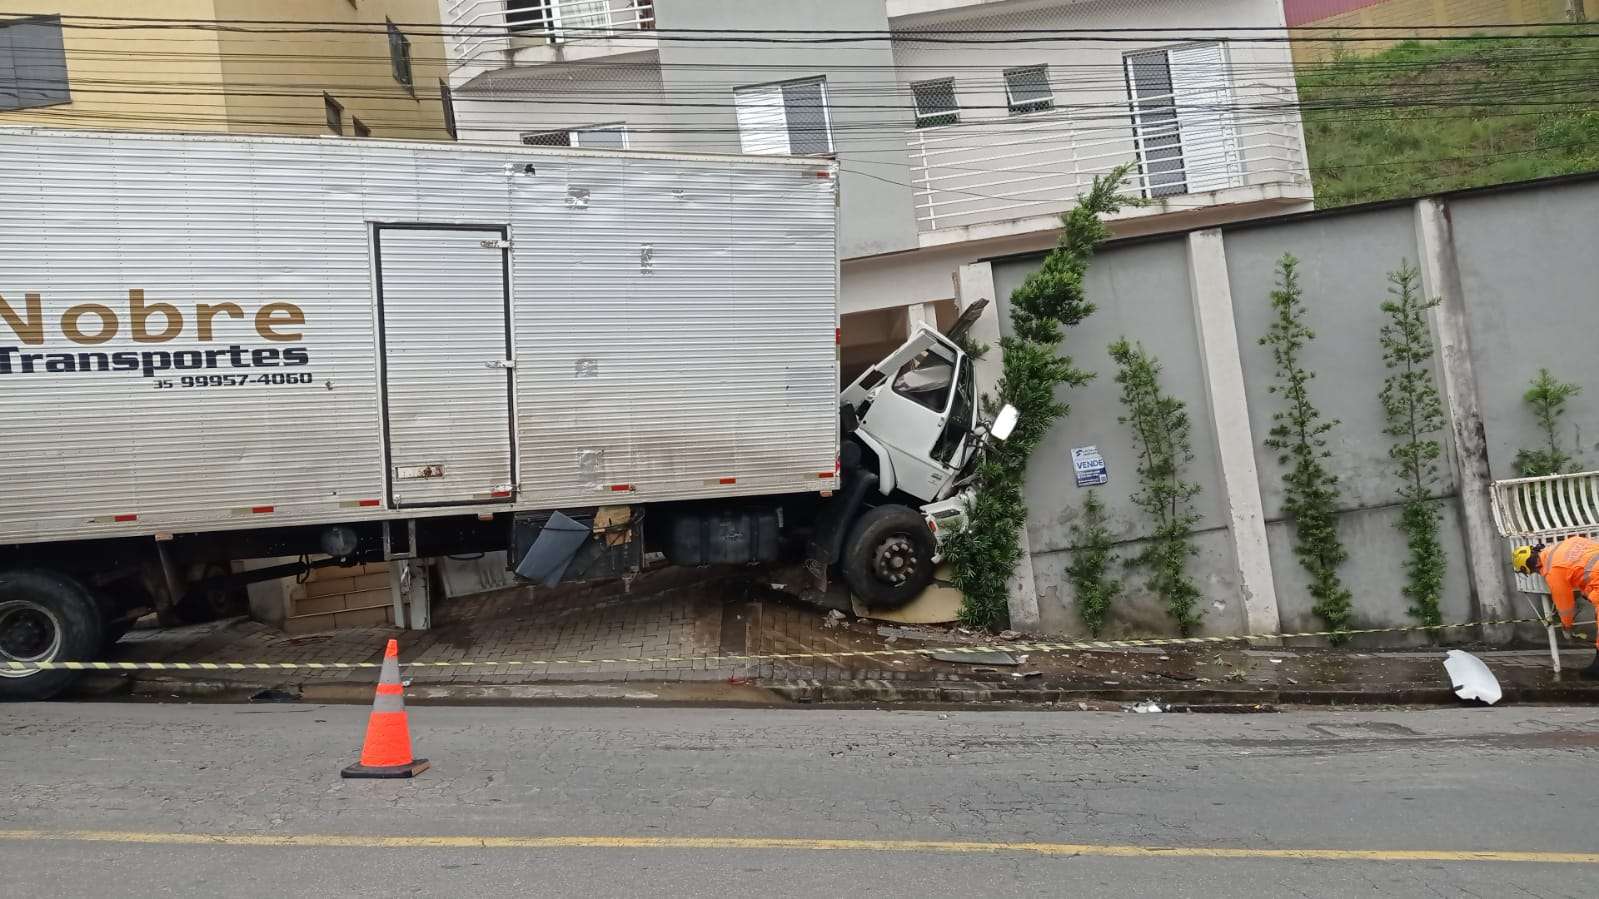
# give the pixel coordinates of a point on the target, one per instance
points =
(1522, 558)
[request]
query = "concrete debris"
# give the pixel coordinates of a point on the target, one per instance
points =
(1010, 635)
(834, 618)
(1027, 674)
(1147, 707)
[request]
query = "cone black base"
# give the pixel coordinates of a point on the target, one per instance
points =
(411, 770)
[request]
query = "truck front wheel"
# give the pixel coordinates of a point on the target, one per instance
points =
(888, 559)
(44, 617)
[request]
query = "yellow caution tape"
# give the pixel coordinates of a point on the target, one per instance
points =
(720, 659)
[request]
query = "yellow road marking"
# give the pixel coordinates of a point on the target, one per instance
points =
(338, 841)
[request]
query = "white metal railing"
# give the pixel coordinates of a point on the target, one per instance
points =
(476, 30)
(1038, 164)
(561, 21)
(1545, 510)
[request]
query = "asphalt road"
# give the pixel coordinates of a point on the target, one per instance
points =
(150, 800)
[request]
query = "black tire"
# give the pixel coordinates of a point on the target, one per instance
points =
(45, 616)
(211, 603)
(888, 558)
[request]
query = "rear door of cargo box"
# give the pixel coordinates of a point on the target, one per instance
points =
(443, 310)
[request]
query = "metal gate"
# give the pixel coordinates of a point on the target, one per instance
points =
(444, 329)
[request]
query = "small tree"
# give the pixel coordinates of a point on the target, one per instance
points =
(1414, 414)
(984, 554)
(1547, 397)
(1161, 432)
(1092, 587)
(1299, 437)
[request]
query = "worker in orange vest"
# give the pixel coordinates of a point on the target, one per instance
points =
(1569, 567)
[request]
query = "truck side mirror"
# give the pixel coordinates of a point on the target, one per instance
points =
(1004, 423)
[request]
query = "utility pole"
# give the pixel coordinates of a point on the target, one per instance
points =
(1575, 12)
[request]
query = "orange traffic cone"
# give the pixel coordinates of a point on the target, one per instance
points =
(387, 750)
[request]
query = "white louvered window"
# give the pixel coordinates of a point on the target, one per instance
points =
(788, 118)
(1182, 119)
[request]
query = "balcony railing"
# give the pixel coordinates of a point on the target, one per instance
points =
(574, 20)
(480, 32)
(987, 171)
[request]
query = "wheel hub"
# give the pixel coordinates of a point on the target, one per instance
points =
(895, 559)
(28, 633)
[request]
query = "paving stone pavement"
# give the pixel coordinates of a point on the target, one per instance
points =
(696, 616)
(660, 617)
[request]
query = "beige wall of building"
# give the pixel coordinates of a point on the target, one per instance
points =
(207, 79)
(133, 79)
(1416, 15)
(275, 82)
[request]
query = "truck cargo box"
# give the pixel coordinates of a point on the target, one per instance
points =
(202, 333)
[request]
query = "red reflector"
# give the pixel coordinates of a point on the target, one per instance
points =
(823, 175)
(260, 510)
(838, 336)
(824, 474)
(369, 502)
(500, 494)
(621, 488)
(125, 518)
(727, 480)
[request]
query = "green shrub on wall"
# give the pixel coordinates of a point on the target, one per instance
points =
(1160, 428)
(1298, 434)
(984, 554)
(1414, 415)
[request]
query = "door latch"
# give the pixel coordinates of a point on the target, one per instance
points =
(501, 363)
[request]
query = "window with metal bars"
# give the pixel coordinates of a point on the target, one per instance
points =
(935, 103)
(1027, 90)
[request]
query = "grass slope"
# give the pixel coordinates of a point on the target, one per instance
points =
(1426, 118)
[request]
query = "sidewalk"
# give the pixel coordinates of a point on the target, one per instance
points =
(694, 619)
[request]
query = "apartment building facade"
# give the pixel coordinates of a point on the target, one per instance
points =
(964, 128)
(358, 68)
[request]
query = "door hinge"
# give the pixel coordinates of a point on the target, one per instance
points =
(495, 244)
(501, 363)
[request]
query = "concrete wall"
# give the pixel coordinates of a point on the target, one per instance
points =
(877, 212)
(1527, 295)
(1036, 163)
(1531, 281)
(503, 105)
(1142, 292)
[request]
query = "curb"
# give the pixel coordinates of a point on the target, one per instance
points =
(864, 692)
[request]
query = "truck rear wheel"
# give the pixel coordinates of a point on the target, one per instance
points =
(888, 559)
(44, 617)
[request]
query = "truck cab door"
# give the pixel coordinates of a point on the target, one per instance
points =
(911, 414)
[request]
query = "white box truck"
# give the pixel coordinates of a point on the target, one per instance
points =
(217, 348)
